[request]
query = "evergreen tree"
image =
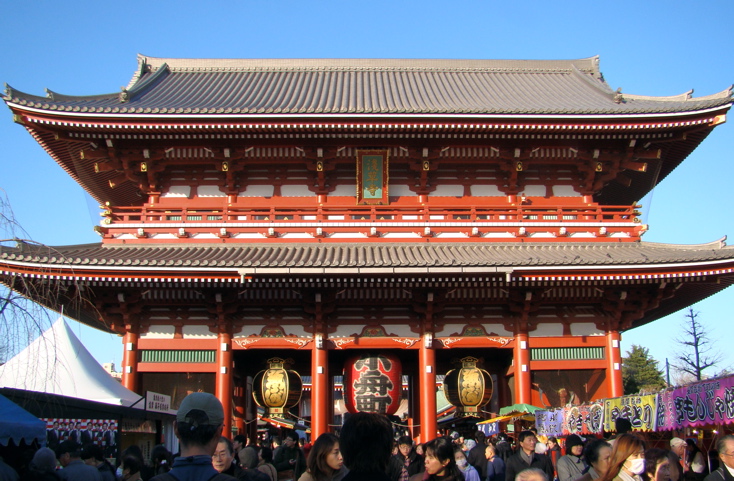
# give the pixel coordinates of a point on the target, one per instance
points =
(640, 372)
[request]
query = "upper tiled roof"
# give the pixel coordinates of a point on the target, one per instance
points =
(403, 255)
(367, 87)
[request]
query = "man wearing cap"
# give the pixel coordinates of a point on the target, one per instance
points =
(678, 446)
(198, 427)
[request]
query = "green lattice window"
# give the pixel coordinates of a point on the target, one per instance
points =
(566, 353)
(160, 355)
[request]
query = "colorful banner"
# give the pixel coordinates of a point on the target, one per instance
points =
(489, 429)
(640, 410)
(549, 422)
(699, 404)
(372, 177)
(584, 419)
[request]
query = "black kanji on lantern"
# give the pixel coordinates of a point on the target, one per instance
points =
(372, 387)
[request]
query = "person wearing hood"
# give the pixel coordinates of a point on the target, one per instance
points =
(572, 466)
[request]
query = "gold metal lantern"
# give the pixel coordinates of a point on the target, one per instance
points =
(468, 388)
(277, 389)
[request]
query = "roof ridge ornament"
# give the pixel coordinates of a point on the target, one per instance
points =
(124, 95)
(618, 97)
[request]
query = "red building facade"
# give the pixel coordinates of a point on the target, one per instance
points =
(429, 209)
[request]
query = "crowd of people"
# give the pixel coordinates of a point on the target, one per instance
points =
(366, 450)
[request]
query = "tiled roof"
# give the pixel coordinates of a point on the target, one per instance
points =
(367, 87)
(402, 255)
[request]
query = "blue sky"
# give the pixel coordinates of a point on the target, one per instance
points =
(646, 47)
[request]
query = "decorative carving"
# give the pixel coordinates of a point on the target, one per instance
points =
(341, 342)
(246, 341)
(407, 341)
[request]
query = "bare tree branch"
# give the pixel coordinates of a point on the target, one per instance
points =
(698, 349)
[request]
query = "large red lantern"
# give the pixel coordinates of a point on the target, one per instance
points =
(468, 388)
(276, 389)
(373, 383)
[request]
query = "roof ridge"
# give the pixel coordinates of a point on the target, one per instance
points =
(151, 64)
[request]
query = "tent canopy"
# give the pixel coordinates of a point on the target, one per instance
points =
(518, 408)
(18, 425)
(58, 363)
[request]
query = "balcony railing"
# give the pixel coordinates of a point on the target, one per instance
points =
(376, 221)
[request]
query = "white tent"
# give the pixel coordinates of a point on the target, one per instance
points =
(58, 363)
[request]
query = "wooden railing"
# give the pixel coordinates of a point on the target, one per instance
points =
(371, 214)
(398, 223)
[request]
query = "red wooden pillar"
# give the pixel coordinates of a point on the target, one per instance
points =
(130, 359)
(224, 388)
(614, 364)
(319, 388)
(427, 384)
(522, 368)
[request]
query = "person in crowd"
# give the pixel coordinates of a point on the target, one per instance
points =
(131, 469)
(526, 457)
(42, 467)
(265, 463)
(657, 465)
(495, 465)
(248, 465)
(248, 457)
(275, 444)
(161, 459)
(146, 472)
(366, 443)
(74, 469)
(622, 426)
(532, 474)
(725, 471)
(238, 442)
(290, 460)
(325, 461)
(596, 455)
(476, 455)
(572, 466)
(223, 458)
(554, 450)
(470, 472)
(678, 446)
(504, 450)
(675, 468)
(694, 465)
(440, 462)
(93, 455)
(53, 436)
(198, 426)
(627, 462)
(407, 457)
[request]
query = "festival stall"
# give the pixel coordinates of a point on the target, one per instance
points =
(701, 410)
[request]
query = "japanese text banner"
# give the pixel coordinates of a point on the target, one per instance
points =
(584, 419)
(707, 402)
(550, 422)
(640, 410)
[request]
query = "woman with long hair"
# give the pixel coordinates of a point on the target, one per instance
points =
(627, 462)
(325, 462)
(440, 462)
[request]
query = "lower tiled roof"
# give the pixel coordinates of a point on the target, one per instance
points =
(409, 255)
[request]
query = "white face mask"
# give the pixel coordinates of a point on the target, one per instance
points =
(636, 466)
(461, 463)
